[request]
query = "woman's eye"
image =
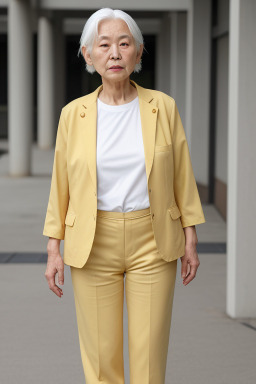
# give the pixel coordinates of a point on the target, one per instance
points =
(105, 45)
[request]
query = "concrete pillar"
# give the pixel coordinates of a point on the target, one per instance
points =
(20, 75)
(178, 59)
(241, 259)
(45, 98)
(198, 86)
(163, 56)
(59, 69)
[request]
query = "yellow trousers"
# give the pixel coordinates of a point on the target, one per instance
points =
(124, 249)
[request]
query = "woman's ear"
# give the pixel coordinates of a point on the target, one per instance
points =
(139, 54)
(86, 56)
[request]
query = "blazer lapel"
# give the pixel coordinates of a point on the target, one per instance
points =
(148, 113)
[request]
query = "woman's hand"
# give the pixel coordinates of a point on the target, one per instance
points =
(55, 265)
(190, 261)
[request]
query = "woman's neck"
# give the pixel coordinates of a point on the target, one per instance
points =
(117, 93)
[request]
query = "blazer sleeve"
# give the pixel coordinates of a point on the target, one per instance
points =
(54, 225)
(185, 187)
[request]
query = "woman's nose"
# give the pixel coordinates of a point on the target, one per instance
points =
(115, 51)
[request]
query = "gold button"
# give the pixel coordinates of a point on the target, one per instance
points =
(82, 114)
(154, 110)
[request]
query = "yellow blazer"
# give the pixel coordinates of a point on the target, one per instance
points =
(173, 194)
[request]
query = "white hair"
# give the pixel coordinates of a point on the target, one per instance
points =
(90, 31)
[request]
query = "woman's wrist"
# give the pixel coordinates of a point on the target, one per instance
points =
(190, 236)
(53, 244)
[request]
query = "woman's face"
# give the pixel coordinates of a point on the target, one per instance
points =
(115, 46)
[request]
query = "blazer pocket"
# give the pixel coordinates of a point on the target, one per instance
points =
(70, 219)
(174, 212)
(163, 148)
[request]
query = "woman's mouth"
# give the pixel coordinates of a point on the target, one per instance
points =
(115, 68)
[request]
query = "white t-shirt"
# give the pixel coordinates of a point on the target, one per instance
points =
(121, 171)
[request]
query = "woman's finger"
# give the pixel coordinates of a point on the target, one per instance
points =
(191, 275)
(50, 276)
(57, 290)
(188, 269)
(184, 264)
(61, 274)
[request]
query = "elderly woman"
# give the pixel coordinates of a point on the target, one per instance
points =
(124, 198)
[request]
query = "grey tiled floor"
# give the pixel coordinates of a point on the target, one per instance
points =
(38, 334)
